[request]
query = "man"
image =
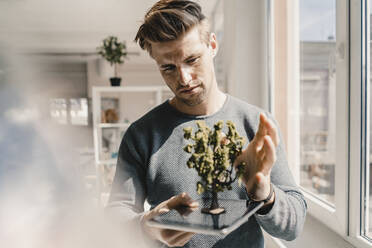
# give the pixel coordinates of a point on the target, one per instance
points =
(152, 163)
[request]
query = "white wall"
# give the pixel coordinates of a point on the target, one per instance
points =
(49, 78)
(140, 70)
(245, 50)
(315, 234)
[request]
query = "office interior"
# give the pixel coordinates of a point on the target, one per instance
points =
(307, 62)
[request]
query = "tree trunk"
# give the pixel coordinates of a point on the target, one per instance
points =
(115, 70)
(214, 208)
(214, 203)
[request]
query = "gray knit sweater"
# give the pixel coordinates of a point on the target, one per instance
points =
(152, 166)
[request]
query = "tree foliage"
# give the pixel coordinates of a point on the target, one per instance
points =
(213, 154)
(113, 50)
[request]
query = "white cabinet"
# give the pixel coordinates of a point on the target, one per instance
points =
(114, 108)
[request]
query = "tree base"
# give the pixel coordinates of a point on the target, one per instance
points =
(215, 211)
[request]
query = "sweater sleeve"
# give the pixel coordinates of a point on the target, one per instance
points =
(128, 188)
(126, 203)
(286, 218)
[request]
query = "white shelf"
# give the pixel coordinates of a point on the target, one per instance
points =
(116, 135)
(108, 125)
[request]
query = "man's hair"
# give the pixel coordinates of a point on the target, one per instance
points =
(168, 20)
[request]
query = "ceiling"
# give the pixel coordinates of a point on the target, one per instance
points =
(73, 26)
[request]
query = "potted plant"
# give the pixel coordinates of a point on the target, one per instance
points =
(212, 155)
(115, 52)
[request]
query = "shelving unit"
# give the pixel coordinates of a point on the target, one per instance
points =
(108, 125)
(129, 103)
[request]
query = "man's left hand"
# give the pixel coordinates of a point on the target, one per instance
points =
(259, 158)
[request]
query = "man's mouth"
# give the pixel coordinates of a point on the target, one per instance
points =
(189, 89)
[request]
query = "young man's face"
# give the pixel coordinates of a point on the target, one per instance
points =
(186, 65)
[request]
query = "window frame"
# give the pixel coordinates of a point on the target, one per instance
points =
(359, 127)
(336, 218)
(348, 216)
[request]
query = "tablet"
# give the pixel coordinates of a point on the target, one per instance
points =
(237, 213)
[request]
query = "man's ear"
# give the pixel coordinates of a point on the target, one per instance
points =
(213, 44)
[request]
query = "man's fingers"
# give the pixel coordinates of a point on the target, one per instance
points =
(239, 159)
(266, 127)
(270, 155)
(182, 199)
(174, 237)
(261, 154)
(185, 211)
(168, 234)
(261, 132)
(163, 210)
(155, 212)
(272, 131)
(180, 239)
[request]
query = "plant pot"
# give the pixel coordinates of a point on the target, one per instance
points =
(115, 81)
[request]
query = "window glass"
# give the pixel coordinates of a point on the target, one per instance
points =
(317, 97)
(58, 110)
(79, 111)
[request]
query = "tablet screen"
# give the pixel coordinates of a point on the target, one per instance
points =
(236, 213)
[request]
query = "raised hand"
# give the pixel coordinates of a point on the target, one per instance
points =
(171, 238)
(259, 157)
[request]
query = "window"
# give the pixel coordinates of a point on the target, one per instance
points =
(72, 111)
(330, 80)
(79, 111)
(367, 190)
(311, 101)
(58, 110)
(317, 24)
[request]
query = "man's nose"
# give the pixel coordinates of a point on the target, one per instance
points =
(185, 76)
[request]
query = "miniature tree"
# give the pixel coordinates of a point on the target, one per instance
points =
(212, 156)
(115, 52)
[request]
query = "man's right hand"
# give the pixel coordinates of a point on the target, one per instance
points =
(169, 237)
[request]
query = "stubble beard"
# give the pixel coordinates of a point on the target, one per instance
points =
(194, 100)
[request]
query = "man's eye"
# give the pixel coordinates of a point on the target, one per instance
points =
(168, 69)
(193, 60)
